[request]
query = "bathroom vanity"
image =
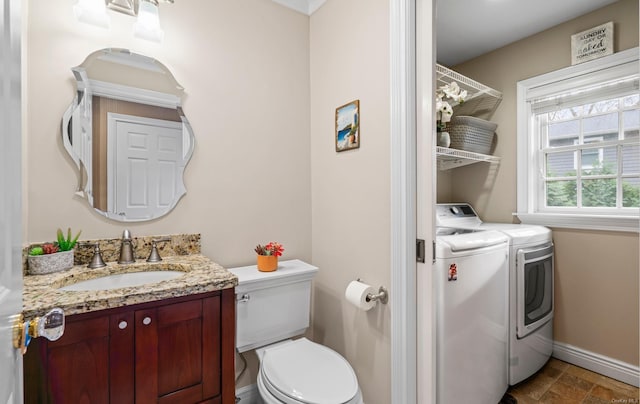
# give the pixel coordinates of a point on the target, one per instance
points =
(166, 342)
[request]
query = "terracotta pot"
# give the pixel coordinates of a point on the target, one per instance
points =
(267, 263)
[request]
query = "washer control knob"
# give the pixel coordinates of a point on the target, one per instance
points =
(455, 210)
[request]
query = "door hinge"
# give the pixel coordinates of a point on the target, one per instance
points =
(420, 250)
(433, 252)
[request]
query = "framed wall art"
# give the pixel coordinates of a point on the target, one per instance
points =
(592, 44)
(348, 126)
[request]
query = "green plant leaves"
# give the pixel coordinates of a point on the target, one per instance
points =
(67, 243)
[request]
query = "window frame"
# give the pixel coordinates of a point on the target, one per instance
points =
(530, 187)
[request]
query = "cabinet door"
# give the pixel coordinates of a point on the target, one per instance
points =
(122, 368)
(177, 351)
(73, 369)
(161, 353)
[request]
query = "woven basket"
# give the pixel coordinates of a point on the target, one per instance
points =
(471, 134)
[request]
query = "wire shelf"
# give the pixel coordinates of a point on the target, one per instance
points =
(481, 101)
(454, 158)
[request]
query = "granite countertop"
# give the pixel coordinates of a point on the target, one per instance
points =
(41, 292)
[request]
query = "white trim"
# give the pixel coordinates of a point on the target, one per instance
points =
(601, 364)
(131, 94)
(426, 180)
(307, 7)
(403, 198)
(587, 222)
(529, 164)
(580, 75)
(314, 5)
(12, 165)
(248, 395)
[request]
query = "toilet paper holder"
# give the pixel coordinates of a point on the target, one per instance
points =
(382, 296)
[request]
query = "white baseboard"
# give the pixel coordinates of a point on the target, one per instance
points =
(604, 365)
(249, 395)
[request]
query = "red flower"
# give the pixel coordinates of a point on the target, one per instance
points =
(273, 248)
(49, 248)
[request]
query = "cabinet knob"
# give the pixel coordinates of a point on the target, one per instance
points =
(122, 325)
(146, 320)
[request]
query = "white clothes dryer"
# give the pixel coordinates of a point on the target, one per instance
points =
(531, 288)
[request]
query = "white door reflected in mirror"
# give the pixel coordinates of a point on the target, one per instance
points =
(144, 166)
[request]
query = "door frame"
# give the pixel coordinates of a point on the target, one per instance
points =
(11, 390)
(412, 52)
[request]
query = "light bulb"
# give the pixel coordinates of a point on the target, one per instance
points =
(148, 24)
(92, 12)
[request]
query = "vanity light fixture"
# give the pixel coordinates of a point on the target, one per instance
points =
(147, 25)
(92, 12)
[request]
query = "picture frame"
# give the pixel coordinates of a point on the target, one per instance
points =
(348, 126)
(593, 43)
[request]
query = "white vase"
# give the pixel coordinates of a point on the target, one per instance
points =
(444, 140)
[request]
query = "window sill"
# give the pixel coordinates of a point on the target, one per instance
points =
(587, 222)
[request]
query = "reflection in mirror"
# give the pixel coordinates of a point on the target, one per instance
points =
(126, 132)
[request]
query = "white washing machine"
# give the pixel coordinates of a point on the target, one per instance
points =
(470, 277)
(530, 287)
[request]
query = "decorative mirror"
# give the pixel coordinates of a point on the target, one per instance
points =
(126, 132)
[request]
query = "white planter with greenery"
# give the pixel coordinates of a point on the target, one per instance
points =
(49, 263)
(52, 257)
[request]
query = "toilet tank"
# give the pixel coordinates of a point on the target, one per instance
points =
(272, 306)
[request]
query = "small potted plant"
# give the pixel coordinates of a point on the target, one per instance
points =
(268, 256)
(52, 257)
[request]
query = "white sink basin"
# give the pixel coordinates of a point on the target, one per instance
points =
(125, 280)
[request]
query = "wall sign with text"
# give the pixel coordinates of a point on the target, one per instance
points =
(592, 43)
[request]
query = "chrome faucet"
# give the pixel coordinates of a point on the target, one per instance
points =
(126, 248)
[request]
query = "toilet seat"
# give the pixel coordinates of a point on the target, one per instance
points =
(303, 372)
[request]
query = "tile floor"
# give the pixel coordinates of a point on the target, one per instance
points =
(562, 383)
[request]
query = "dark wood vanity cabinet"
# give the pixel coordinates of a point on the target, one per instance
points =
(179, 350)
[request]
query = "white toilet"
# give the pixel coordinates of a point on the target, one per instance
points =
(272, 307)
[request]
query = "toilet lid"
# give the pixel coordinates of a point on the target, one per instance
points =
(309, 373)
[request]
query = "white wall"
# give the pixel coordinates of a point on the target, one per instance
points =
(351, 189)
(244, 65)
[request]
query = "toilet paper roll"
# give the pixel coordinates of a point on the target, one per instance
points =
(356, 294)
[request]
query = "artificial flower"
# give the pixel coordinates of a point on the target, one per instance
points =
(273, 248)
(444, 110)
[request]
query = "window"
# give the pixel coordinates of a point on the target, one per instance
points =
(579, 145)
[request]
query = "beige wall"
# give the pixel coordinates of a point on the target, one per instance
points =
(596, 286)
(596, 272)
(244, 65)
(351, 189)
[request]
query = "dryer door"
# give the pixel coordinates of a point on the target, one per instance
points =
(534, 275)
